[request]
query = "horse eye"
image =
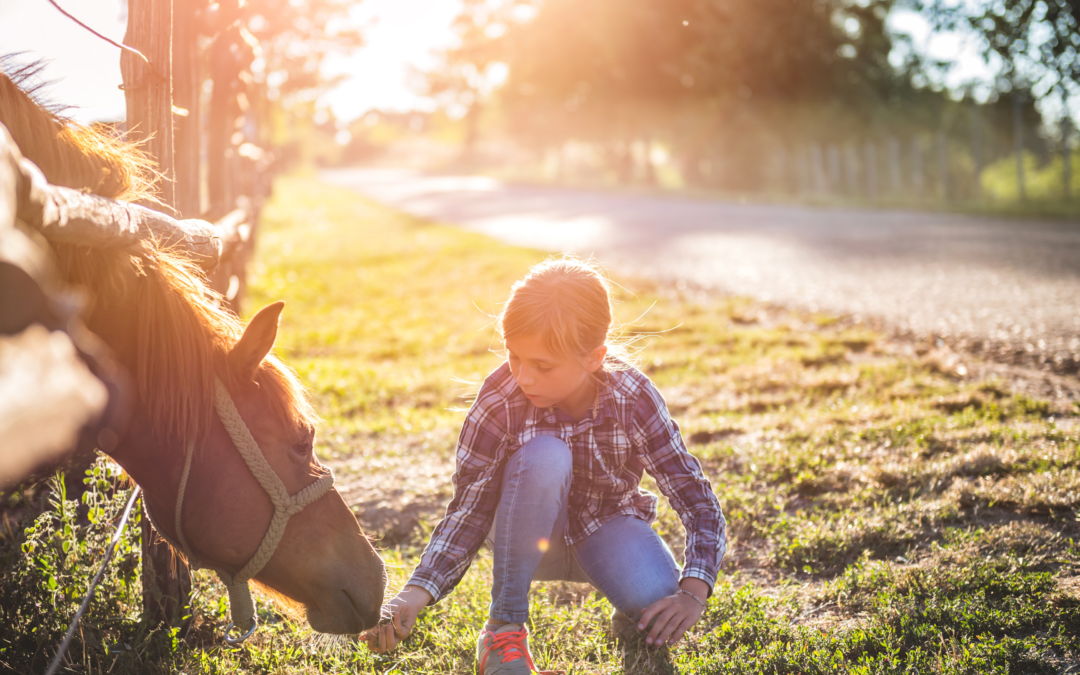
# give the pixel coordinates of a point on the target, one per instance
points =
(303, 448)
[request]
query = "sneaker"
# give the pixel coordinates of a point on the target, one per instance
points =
(623, 627)
(505, 651)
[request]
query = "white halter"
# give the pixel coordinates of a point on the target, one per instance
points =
(285, 506)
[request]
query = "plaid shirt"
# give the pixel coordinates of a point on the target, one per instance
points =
(631, 432)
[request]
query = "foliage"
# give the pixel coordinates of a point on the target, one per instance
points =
(719, 83)
(295, 37)
(47, 569)
(1035, 42)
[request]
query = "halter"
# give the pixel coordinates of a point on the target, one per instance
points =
(285, 506)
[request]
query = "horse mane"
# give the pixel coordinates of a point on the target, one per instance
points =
(88, 158)
(182, 333)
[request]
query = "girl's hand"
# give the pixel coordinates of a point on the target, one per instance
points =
(672, 616)
(403, 610)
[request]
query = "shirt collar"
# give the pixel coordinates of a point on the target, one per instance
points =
(604, 408)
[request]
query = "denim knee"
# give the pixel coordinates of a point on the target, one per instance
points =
(545, 460)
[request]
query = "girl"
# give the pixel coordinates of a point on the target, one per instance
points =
(548, 465)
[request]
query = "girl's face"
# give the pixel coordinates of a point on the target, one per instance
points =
(553, 380)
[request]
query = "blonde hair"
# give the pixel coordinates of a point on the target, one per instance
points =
(568, 302)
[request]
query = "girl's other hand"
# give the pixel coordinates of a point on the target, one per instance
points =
(673, 615)
(403, 610)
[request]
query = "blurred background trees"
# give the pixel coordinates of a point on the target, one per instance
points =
(815, 97)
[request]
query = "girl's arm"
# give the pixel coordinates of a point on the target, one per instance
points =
(481, 454)
(468, 519)
(681, 479)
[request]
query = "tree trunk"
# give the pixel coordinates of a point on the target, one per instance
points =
(148, 91)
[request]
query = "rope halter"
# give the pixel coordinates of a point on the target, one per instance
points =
(285, 506)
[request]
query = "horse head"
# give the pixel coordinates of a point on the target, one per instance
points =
(168, 330)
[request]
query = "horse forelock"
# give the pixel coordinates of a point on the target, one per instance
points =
(89, 158)
(184, 338)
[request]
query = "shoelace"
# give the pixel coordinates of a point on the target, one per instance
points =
(510, 646)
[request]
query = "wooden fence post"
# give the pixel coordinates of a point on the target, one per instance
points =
(895, 184)
(833, 154)
(943, 164)
(977, 148)
(916, 167)
(851, 159)
(148, 91)
(187, 88)
(1018, 132)
(871, 170)
(817, 169)
(1066, 158)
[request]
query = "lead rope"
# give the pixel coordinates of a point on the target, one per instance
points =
(285, 506)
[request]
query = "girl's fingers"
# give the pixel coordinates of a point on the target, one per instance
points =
(387, 639)
(661, 624)
(652, 610)
(683, 626)
(402, 625)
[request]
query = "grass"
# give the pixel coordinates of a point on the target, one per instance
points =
(887, 515)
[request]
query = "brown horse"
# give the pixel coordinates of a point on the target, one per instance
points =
(154, 311)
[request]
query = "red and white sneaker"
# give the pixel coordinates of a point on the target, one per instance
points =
(505, 651)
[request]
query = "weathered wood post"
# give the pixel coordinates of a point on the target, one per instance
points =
(1066, 158)
(870, 152)
(943, 164)
(817, 168)
(851, 159)
(977, 148)
(187, 86)
(895, 184)
(916, 167)
(834, 168)
(1018, 133)
(148, 91)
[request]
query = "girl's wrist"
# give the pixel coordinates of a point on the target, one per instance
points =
(694, 596)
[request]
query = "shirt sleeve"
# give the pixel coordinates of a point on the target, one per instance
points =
(481, 453)
(680, 478)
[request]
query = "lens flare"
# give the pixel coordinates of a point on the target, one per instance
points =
(543, 545)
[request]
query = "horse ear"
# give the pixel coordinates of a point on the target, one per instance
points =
(256, 342)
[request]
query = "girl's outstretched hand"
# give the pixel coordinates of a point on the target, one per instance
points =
(673, 615)
(403, 610)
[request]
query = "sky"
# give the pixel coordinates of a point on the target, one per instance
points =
(401, 36)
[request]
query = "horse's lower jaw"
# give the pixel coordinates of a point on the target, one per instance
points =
(345, 617)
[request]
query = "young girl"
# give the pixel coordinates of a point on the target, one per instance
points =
(548, 465)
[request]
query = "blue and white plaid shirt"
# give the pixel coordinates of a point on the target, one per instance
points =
(629, 431)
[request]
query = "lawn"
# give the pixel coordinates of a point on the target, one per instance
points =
(888, 511)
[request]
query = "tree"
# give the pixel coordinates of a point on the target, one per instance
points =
(719, 78)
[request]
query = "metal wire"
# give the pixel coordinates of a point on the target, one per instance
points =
(114, 43)
(93, 584)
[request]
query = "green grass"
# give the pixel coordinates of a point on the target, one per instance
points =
(886, 515)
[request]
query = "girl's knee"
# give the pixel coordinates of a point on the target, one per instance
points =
(545, 458)
(637, 599)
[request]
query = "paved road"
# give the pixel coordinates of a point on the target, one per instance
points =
(1014, 283)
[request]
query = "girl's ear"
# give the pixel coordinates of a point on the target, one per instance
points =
(596, 359)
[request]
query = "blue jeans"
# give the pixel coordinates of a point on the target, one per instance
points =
(625, 559)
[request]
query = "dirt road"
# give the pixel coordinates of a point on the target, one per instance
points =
(1010, 287)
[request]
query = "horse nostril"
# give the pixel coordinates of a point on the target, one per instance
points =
(369, 615)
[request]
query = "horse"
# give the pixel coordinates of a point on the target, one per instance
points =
(152, 308)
